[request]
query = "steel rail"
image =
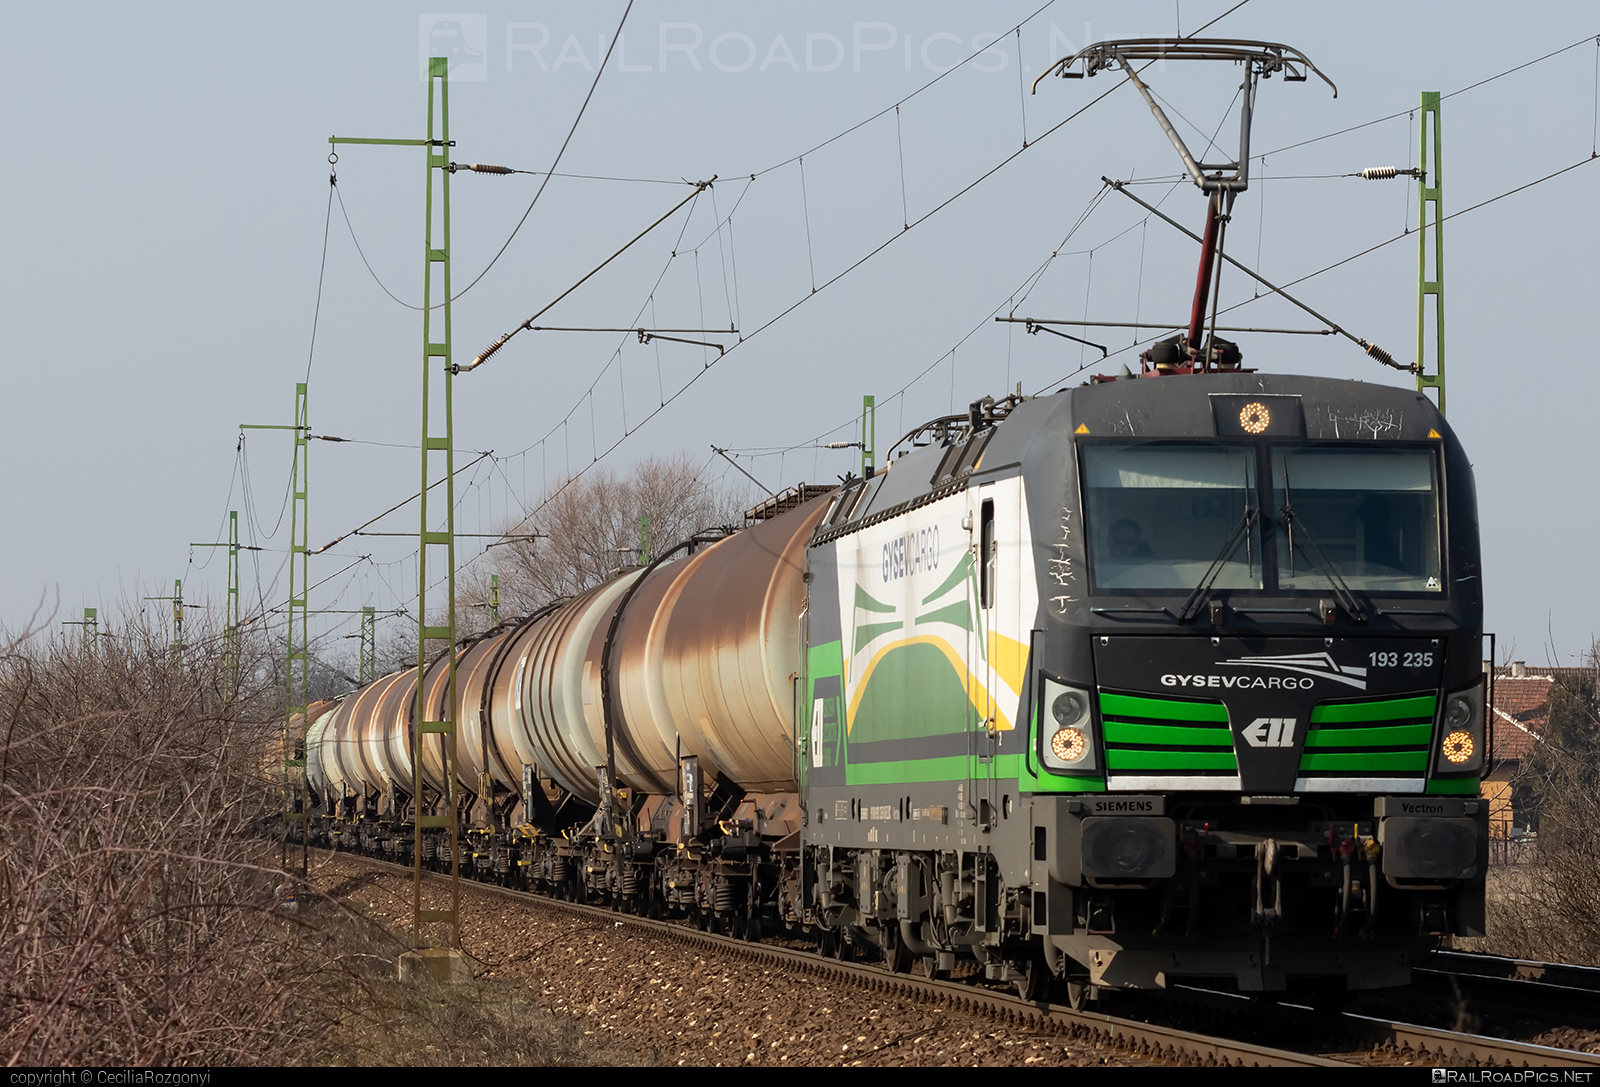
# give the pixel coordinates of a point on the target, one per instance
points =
(1383, 1040)
(1553, 975)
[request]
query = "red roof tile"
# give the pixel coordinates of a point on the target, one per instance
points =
(1526, 700)
(1509, 740)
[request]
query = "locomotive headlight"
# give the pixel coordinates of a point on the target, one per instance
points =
(1457, 712)
(1069, 744)
(1460, 746)
(1066, 731)
(1069, 707)
(1254, 418)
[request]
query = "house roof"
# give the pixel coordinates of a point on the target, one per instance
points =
(1509, 739)
(1524, 700)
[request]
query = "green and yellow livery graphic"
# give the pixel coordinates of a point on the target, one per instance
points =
(923, 656)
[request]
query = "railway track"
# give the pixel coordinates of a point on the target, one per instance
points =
(1554, 976)
(1515, 998)
(1344, 1040)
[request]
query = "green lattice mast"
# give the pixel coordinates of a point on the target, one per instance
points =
(438, 467)
(1429, 188)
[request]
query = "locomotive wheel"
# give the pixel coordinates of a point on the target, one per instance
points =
(1077, 993)
(1035, 980)
(738, 924)
(828, 943)
(842, 949)
(752, 930)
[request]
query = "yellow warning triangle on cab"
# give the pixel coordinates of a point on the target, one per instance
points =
(1082, 429)
(1434, 433)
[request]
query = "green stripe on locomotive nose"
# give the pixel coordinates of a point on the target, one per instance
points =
(1392, 736)
(1125, 705)
(1172, 735)
(1123, 759)
(1396, 709)
(1365, 761)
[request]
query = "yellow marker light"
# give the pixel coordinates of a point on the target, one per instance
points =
(1254, 417)
(1068, 744)
(1457, 746)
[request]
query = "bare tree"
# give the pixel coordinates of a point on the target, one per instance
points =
(592, 527)
(1551, 909)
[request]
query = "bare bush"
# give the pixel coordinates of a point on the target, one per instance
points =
(138, 919)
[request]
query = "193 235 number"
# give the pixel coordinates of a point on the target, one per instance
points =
(1400, 660)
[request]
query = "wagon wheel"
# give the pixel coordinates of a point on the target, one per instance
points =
(897, 956)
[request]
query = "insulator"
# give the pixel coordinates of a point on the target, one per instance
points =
(485, 168)
(490, 350)
(1376, 173)
(1383, 356)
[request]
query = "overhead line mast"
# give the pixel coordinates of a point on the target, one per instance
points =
(437, 444)
(1428, 196)
(230, 628)
(294, 694)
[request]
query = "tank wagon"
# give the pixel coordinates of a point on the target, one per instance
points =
(1142, 681)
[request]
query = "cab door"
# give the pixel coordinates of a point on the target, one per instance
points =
(981, 705)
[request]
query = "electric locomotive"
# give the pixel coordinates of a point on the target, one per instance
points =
(1149, 680)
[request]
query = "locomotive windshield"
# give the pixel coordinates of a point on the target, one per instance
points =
(1372, 511)
(1159, 514)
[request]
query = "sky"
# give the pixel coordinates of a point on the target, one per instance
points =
(184, 261)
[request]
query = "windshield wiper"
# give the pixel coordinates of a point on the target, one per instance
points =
(1241, 531)
(1319, 558)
